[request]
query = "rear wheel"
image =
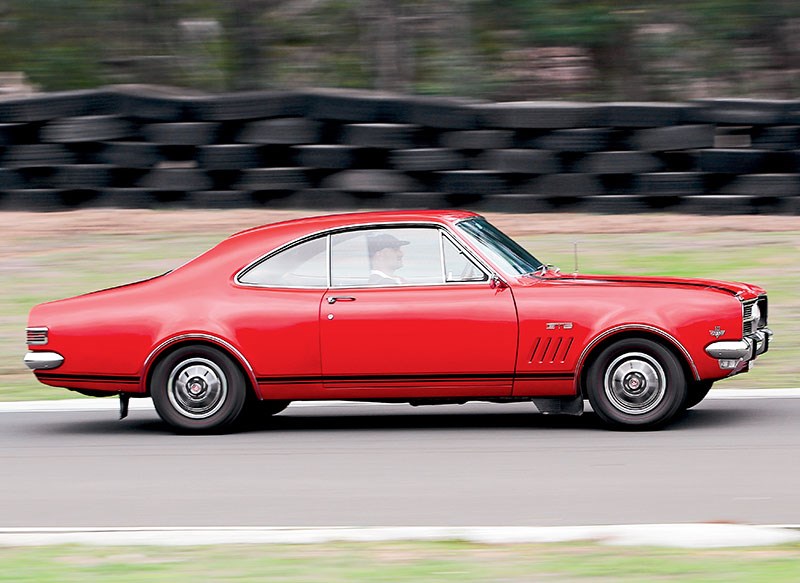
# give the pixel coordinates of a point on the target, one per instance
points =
(198, 389)
(636, 384)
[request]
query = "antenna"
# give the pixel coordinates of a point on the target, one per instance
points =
(575, 253)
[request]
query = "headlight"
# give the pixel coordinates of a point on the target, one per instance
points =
(756, 314)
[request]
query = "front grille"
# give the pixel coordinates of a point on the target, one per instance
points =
(747, 315)
(36, 336)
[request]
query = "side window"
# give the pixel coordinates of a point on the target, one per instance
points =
(458, 266)
(302, 265)
(386, 257)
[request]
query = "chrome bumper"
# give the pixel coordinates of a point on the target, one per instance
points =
(43, 360)
(745, 349)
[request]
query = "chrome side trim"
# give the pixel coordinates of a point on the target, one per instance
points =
(215, 339)
(730, 349)
(43, 360)
(627, 327)
(442, 267)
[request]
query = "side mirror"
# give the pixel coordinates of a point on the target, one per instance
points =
(496, 283)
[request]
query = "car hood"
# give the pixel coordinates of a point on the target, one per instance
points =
(741, 290)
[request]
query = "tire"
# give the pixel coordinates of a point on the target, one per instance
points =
(696, 392)
(636, 384)
(198, 389)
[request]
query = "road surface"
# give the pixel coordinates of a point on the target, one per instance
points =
(395, 465)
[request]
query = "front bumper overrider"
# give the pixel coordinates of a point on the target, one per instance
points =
(745, 349)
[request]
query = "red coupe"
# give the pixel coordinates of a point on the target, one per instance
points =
(424, 307)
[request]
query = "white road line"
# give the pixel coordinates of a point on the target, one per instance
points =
(661, 535)
(112, 404)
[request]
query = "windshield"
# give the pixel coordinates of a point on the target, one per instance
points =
(503, 250)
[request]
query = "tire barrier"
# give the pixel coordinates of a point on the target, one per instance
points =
(575, 140)
(36, 156)
(147, 147)
(90, 128)
(82, 177)
(290, 131)
(274, 179)
(324, 156)
(521, 161)
(618, 163)
(478, 140)
(386, 136)
(196, 133)
(428, 160)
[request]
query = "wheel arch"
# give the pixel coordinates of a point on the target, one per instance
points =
(169, 346)
(614, 335)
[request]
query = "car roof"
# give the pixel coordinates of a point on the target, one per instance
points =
(313, 224)
(245, 246)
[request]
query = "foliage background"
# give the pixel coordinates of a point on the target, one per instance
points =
(514, 49)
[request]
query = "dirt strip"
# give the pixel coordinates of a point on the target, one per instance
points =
(135, 221)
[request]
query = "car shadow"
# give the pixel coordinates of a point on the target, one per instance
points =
(428, 421)
(349, 419)
(299, 421)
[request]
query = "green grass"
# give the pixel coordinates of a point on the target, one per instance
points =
(35, 269)
(73, 265)
(771, 260)
(396, 562)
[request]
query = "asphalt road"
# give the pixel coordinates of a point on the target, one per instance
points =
(394, 465)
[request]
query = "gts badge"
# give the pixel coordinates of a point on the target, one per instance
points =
(559, 326)
(716, 332)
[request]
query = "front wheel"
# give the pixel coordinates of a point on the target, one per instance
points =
(198, 389)
(636, 384)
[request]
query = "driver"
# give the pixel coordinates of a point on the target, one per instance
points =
(385, 257)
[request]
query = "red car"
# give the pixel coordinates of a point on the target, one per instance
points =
(424, 307)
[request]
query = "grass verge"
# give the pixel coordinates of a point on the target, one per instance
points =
(396, 562)
(50, 256)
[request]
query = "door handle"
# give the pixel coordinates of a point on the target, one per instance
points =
(333, 300)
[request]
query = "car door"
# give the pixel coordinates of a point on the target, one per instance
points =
(425, 323)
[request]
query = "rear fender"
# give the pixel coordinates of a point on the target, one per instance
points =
(194, 338)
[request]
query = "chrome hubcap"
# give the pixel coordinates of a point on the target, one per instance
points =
(635, 383)
(197, 388)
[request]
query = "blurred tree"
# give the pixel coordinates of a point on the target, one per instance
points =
(50, 41)
(605, 29)
(748, 42)
(586, 49)
(248, 36)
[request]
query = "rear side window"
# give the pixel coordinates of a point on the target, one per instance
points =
(302, 265)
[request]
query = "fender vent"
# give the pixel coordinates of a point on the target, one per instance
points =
(36, 336)
(551, 350)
